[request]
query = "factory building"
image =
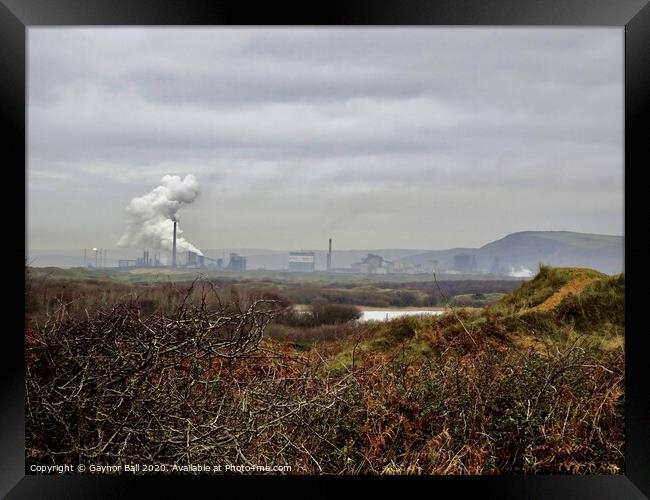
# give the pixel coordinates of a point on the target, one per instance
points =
(195, 260)
(237, 263)
(147, 260)
(302, 262)
(373, 264)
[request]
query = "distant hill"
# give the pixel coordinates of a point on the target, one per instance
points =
(527, 249)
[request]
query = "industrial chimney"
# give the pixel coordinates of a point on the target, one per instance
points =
(329, 257)
(174, 247)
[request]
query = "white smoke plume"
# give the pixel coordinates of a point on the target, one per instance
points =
(520, 272)
(151, 216)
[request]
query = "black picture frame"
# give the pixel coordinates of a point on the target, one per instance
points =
(634, 15)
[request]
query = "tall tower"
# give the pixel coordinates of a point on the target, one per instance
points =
(174, 247)
(329, 257)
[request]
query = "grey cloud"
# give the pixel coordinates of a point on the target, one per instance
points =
(328, 125)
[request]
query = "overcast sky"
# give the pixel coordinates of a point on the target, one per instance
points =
(405, 138)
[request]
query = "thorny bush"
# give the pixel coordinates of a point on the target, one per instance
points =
(202, 385)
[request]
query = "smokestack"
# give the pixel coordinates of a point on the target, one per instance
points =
(149, 216)
(329, 257)
(174, 247)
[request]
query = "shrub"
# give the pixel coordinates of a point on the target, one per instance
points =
(321, 313)
(309, 335)
(328, 314)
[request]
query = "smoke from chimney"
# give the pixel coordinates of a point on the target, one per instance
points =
(152, 217)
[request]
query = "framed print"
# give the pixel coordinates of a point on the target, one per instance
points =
(360, 243)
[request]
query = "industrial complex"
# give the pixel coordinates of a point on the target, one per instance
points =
(298, 261)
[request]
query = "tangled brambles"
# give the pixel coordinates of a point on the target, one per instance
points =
(201, 384)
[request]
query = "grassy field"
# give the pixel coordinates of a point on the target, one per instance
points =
(531, 381)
